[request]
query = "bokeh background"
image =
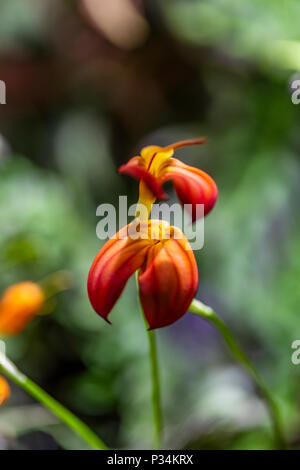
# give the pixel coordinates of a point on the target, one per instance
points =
(88, 84)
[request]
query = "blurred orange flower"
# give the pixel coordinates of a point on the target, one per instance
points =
(4, 390)
(18, 305)
(168, 273)
(155, 165)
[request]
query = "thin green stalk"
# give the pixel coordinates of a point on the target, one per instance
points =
(210, 315)
(156, 399)
(10, 370)
(157, 414)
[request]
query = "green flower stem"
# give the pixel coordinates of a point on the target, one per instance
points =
(157, 414)
(208, 314)
(156, 400)
(10, 370)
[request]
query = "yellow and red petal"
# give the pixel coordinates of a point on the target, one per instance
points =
(168, 281)
(192, 186)
(136, 169)
(117, 260)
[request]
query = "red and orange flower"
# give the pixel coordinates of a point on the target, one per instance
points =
(167, 270)
(156, 165)
(167, 278)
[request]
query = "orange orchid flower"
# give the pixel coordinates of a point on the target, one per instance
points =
(4, 390)
(155, 165)
(18, 305)
(167, 278)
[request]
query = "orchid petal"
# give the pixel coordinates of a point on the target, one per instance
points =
(168, 281)
(192, 186)
(117, 260)
(136, 169)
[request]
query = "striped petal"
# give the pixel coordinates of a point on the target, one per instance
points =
(192, 186)
(117, 260)
(168, 281)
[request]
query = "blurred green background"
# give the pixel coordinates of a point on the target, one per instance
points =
(88, 84)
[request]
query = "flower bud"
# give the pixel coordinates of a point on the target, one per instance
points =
(18, 305)
(4, 390)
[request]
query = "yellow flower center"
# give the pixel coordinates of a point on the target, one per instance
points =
(154, 159)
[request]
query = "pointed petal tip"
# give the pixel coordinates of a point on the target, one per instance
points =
(187, 143)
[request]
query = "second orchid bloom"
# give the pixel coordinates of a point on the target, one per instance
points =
(155, 166)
